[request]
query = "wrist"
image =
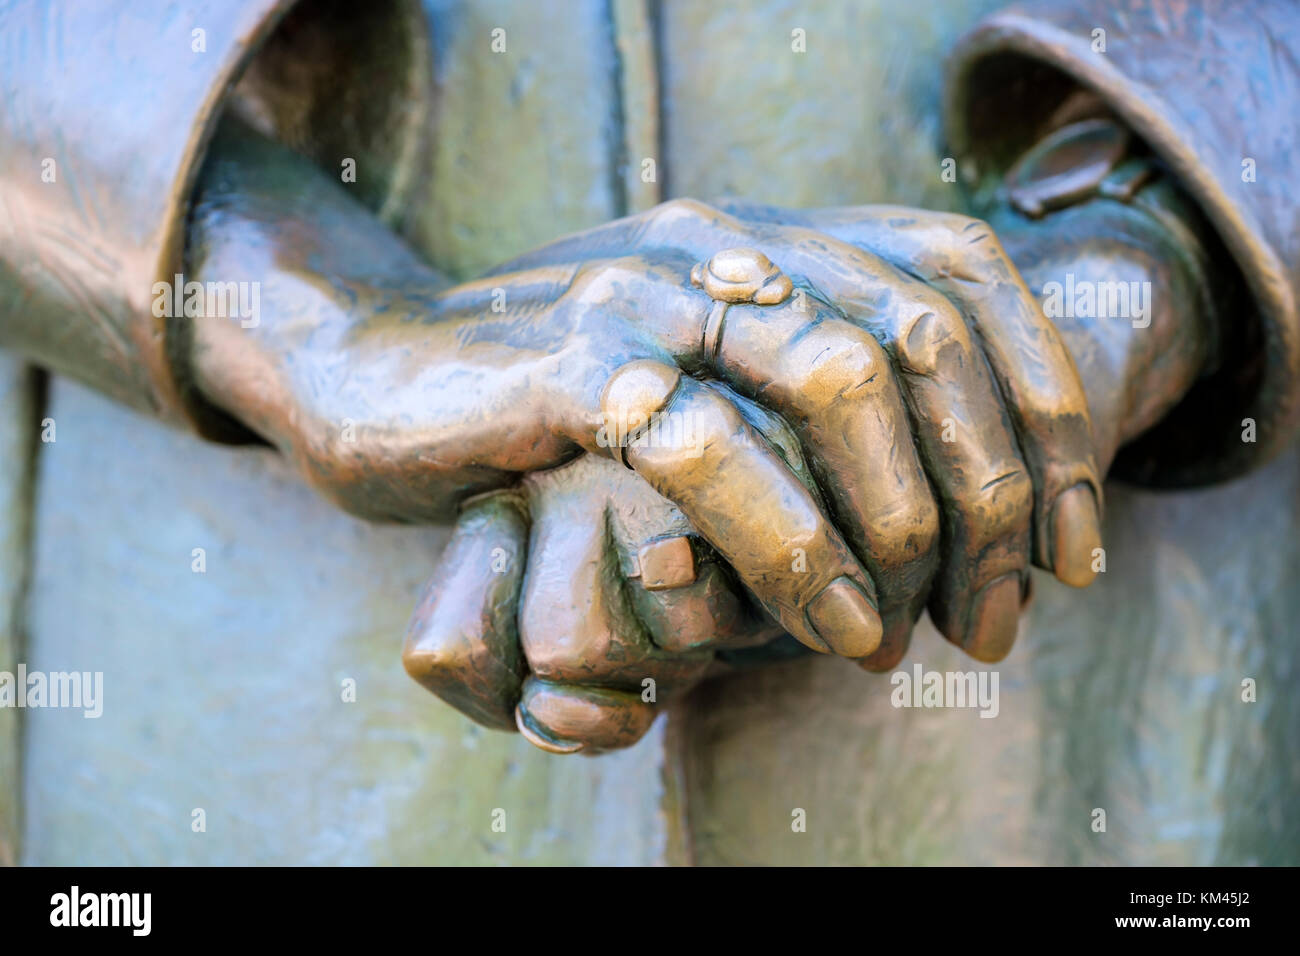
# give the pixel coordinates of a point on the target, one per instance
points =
(1128, 276)
(317, 265)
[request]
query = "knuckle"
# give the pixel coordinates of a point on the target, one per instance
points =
(966, 246)
(932, 336)
(441, 643)
(1052, 402)
(637, 392)
(606, 281)
(434, 656)
(568, 628)
(966, 231)
(921, 536)
(969, 228)
(576, 655)
(907, 535)
(681, 211)
(839, 360)
(553, 662)
(1002, 505)
(335, 459)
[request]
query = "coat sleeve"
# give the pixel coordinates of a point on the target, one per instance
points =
(106, 110)
(1213, 88)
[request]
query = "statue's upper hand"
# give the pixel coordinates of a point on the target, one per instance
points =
(400, 399)
(1000, 417)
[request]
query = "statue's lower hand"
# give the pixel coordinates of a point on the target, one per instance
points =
(571, 607)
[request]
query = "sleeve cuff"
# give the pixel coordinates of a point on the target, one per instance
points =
(1020, 64)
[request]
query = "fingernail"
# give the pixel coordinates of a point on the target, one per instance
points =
(666, 563)
(845, 620)
(545, 742)
(993, 619)
(1076, 535)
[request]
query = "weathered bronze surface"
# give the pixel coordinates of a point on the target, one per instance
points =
(671, 440)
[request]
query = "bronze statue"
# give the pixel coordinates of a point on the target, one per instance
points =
(675, 441)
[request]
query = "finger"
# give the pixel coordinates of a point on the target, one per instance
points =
(963, 433)
(1044, 395)
(597, 675)
(835, 386)
(967, 441)
(567, 718)
(707, 611)
(682, 603)
(684, 599)
(576, 623)
(678, 593)
(1034, 370)
(463, 643)
(817, 371)
(695, 448)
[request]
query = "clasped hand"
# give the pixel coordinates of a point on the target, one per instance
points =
(883, 422)
(683, 432)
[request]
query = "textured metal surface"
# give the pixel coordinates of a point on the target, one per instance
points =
(93, 187)
(526, 141)
(1211, 88)
(855, 117)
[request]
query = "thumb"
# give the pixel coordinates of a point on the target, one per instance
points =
(463, 640)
